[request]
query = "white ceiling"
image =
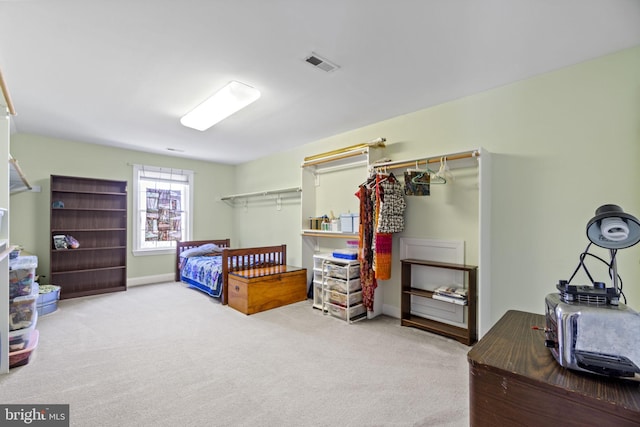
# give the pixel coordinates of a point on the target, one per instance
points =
(122, 72)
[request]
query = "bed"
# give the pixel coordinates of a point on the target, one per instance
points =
(206, 264)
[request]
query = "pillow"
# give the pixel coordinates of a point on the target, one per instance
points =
(201, 250)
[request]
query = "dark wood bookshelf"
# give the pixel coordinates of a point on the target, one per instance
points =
(467, 334)
(94, 212)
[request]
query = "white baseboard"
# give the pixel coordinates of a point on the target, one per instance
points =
(391, 311)
(146, 280)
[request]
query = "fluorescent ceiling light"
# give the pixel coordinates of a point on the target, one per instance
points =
(231, 98)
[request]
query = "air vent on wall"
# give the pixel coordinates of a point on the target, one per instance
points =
(321, 63)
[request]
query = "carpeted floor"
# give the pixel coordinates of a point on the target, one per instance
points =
(167, 355)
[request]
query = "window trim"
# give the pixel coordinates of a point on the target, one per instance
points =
(137, 209)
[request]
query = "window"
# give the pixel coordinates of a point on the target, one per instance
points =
(163, 200)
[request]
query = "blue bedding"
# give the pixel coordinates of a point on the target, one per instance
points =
(203, 273)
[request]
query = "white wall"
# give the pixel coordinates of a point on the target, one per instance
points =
(563, 144)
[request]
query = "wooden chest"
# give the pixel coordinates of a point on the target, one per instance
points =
(259, 289)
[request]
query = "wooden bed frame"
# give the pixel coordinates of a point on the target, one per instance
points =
(236, 259)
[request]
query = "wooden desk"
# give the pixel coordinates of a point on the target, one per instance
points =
(514, 380)
(258, 289)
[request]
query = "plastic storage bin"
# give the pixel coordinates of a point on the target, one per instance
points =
(48, 301)
(19, 339)
(22, 271)
(22, 310)
(350, 222)
(21, 357)
(350, 254)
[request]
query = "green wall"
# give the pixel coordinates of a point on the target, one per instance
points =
(40, 157)
(562, 144)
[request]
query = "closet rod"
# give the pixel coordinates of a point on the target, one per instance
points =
(7, 97)
(407, 163)
(262, 193)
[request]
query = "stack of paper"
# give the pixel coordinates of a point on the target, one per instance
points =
(453, 294)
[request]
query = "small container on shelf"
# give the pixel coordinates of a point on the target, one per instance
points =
(350, 222)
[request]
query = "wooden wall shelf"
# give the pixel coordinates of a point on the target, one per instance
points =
(466, 335)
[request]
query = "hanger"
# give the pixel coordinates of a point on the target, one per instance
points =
(444, 172)
(372, 182)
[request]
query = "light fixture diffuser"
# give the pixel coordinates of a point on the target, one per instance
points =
(231, 98)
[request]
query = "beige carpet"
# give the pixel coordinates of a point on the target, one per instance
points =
(167, 355)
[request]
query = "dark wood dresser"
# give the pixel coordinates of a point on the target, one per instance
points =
(514, 380)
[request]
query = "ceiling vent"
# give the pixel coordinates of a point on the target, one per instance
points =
(321, 63)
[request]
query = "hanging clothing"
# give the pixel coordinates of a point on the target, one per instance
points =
(383, 255)
(392, 207)
(367, 276)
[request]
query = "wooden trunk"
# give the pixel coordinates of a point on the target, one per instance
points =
(259, 289)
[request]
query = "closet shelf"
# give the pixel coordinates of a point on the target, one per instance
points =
(330, 234)
(261, 193)
(17, 180)
(343, 153)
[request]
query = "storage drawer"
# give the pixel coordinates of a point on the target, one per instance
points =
(340, 271)
(340, 285)
(341, 312)
(343, 299)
